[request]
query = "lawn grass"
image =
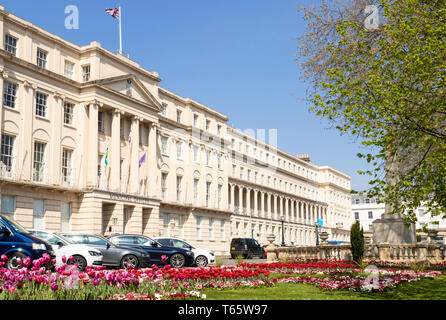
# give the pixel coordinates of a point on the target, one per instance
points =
(425, 289)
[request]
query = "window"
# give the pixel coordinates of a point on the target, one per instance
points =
(356, 215)
(121, 128)
(86, 73)
(95, 240)
(219, 160)
(68, 113)
(179, 188)
(219, 129)
(219, 194)
(8, 206)
(211, 229)
(69, 69)
(370, 214)
(198, 227)
(179, 150)
(39, 161)
(181, 226)
(166, 220)
(421, 213)
(38, 214)
(164, 148)
(196, 181)
(208, 125)
(233, 169)
(11, 44)
(208, 193)
(249, 175)
(196, 154)
(164, 186)
(41, 104)
(367, 200)
(121, 166)
(7, 155)
(208, 157)
(222, 230)
(66, 167)
(179, 114)
(9, 94)
(101, 122)
(357, 201)
(241, 173)
(65, 216)
(41, 58)
(195, 120)
(164, 109)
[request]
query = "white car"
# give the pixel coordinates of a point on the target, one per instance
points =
(202, 257)
(82, 255)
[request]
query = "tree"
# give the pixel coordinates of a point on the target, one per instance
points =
(386, 87)
(357, 241)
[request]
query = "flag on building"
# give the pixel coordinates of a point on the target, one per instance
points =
(142, 160)
(106, 158)
(113, 12)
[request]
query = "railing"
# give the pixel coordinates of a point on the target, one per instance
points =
(67, 178)
(404, 253)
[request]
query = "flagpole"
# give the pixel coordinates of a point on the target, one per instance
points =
(120, 30)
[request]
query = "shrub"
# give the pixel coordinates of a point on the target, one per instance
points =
(239, 259)
(357, 241)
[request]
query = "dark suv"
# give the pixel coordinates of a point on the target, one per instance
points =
(246, 247)
(17, 244)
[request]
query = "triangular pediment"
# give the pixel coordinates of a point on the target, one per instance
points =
(130, 86)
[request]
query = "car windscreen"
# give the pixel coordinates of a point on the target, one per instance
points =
(16, 226)
(64, 238)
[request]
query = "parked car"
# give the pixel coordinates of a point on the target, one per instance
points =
(176, 257)
(202, 257)
(17, 244)
(82, 255)
(247, 247)
(113, 255)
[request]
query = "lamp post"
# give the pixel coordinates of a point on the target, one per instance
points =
(282, 218)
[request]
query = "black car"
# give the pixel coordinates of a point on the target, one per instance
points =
(247, 247)
(176, 257)
(113, 255)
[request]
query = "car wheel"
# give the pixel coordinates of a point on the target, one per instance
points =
(129, 261)
(15, 261)
(177, 260)
(80, 261)
(201, 261)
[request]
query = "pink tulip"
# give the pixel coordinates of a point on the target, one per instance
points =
(70, 259)
(26, 262)
(64, 259)
(4, 258)
(163, 258)
(11, 289)
(54, 286)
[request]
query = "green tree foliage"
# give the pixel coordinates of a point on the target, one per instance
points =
(357, 241)
(385, 87)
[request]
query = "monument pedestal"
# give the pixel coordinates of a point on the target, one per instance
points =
(392, 229)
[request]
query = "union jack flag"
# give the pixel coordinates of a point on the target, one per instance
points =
(113, 12)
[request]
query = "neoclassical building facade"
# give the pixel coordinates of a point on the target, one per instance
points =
(91, 142)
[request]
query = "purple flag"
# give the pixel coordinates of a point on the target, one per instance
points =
(142, 160)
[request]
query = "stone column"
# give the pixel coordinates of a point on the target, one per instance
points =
(286, 211)
(248, 201)
(133, 185)
(275, 207)
(152, 163)
(115, 152)
(240, 199)
(3, 75)
(256, 195)
(232, 189)
(268, 206)
(93, 145)
(262, 210)
(55, 150)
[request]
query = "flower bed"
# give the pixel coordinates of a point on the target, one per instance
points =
(35, 282)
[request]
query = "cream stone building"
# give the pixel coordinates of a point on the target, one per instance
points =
(91, 142)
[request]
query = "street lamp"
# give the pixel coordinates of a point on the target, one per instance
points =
(316, 224)
(282, 218)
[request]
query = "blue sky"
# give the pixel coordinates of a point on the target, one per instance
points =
(236, 56)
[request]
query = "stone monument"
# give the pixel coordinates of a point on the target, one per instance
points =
(393, 229)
